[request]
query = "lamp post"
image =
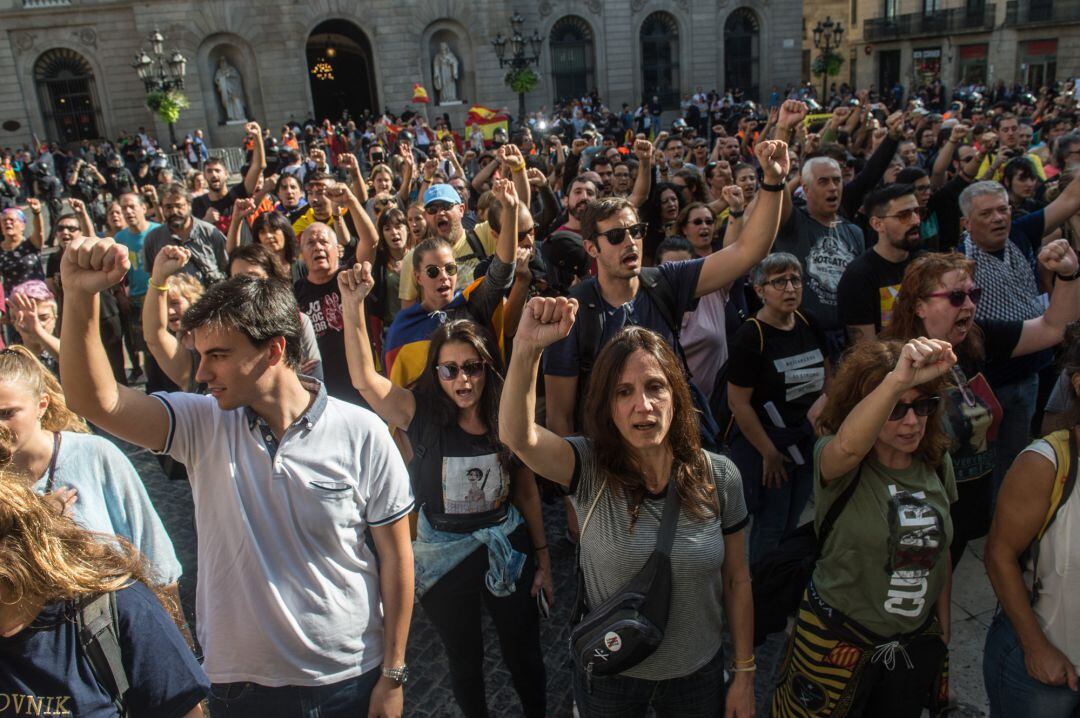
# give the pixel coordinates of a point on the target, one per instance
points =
(160, 73)
(518, 59)
(827, 36)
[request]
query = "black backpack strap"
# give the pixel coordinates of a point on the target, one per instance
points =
(99, 636)
(669, 520)
(663, 298)
(834, 512)
(589, 324)
(475, 245)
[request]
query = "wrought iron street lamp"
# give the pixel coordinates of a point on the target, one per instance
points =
(160, 73)
(827, 36)
(524, 51)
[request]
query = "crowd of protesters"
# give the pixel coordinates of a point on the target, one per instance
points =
(818, 335)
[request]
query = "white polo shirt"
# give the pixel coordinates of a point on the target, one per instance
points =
(288, 592)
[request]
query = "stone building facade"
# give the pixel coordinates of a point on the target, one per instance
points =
(65, 65)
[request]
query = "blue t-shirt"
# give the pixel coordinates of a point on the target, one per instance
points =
(44, 671)
(562, 357)
(112, 499)
(138, 277)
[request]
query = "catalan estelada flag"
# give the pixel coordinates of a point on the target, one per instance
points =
(488, 120)
(409, 335)
(419, 94)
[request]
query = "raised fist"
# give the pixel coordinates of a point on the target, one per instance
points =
(91, 265)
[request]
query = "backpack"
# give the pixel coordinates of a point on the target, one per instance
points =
(99, 637)
(1064, 444)
(590, 322)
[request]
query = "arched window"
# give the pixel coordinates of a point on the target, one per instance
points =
(340, 71)
(660, 58)
(66, 92)
(741, 33)
(571, 57)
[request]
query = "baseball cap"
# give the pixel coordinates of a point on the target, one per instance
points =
(441, 193)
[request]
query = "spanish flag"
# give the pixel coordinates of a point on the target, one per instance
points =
(419, 94)
(488, 120)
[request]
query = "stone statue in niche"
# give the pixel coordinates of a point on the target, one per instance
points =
(444, 74)
(230, 88)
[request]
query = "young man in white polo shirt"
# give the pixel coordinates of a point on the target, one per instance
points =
(294, 614)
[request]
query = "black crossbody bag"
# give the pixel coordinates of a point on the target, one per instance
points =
(628, 627)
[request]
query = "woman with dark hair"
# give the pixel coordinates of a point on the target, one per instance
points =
(745, 176)
(659, 213)
(387, 266)
(50, 571)
(1032, 648)
(270, 229)
(692, 185)
(1021, 180)
(641, 450)
(881, 585)
(937, 299)
(472, 545)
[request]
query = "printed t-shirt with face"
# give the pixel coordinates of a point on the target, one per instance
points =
(884, 563)
(612, 554)
(825, 252)
(789, 372)
(968, 419)
(43, 668)
(868, 288)
(407, 289)
(322, 305)
(457, 477)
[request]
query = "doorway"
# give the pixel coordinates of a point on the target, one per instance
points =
(340, 71)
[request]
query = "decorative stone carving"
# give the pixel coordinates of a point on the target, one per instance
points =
(86, 36)
(594, 6)
(24, 41)
(445, 70)
(684, 4)
(545, 8)
(230, 88)
(636, 5)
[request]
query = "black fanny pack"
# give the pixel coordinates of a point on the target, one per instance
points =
(628, 627)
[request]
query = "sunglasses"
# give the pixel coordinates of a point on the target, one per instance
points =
(957, 297)
(703, 220)
(432, 271)
(67, 228)
(922, 407)
(616, 236)
(449, 372)
(436, 207)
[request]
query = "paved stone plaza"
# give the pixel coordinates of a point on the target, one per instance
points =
(429, 693)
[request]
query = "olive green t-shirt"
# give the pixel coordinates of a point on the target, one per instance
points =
(883, 565)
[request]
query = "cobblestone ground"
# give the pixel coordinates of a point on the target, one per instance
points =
(429, 694)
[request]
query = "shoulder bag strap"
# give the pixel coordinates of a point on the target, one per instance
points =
(588, 515)
(669, 521)
(99, 635)
(834, 512)
(1067, 466)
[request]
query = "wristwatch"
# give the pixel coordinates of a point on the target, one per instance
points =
(1069, 277)
(399, 675)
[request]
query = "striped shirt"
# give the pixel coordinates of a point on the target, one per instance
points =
(611, 555)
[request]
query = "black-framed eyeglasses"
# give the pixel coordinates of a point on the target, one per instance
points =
(433, 271)
(957, 297)
(780, 283)
(903, 215)
(616, 236)
(449, 370)
(924, 406)
(67, 228)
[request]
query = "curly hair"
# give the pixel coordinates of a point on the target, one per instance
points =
(863, 367)
(19, 365)
(187, 286)
(922, 277)
(44, 555)
(691, 471)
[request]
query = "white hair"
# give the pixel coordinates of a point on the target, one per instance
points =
(981, 189)
(813, 163)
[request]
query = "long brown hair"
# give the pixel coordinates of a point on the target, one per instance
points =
(923, 277)
(19, 365)
(863, 368)
(691, 473)
(47, 556)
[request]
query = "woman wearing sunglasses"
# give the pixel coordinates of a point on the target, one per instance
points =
(871, 632)
(472, 545)
(937, 299)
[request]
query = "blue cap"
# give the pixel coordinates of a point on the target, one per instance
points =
(441, 193)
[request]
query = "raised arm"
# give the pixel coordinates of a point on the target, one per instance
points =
(725, 266)
(1065, 206)
(91, 265)
(394, 405)
(515, 162)
(242, 209)
(939, 173)
(37, 228)
(166, 349)
(643, 150)
(347, 161)
(408, 171)
(368, 237)
(736, 203)
(1048, 330)
(543, 322)
(506, 245)
(921, 360)
(253, 178)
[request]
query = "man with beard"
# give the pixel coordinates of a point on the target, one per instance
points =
(206, 243)
(318, 297)
(216, 205)
(869, 285)
(601, 165)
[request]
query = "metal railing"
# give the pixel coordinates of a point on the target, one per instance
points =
(30, 4)
(943, 22)
(1035, 12)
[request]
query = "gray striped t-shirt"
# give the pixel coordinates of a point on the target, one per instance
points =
(611, 555)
